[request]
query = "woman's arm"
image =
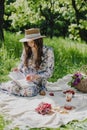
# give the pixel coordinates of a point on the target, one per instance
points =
(48, 64)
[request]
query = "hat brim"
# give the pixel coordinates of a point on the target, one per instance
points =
(27, 39)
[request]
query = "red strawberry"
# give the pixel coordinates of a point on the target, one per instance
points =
(51, 94)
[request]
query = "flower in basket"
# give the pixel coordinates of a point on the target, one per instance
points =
(76, 79)
(43, 108)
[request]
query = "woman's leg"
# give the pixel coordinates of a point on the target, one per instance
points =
(12, 88)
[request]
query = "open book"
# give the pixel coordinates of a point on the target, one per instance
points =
(20, 79)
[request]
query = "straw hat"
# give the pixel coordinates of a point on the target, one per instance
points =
(31, 34)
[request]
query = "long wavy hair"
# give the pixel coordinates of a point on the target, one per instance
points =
(38, 43)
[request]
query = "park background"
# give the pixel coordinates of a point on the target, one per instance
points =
(65, 25)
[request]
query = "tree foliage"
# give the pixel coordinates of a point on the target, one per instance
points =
(55, 18)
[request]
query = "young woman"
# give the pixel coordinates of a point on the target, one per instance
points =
(37, 63)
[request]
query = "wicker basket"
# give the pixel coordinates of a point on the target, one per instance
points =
(82, 86)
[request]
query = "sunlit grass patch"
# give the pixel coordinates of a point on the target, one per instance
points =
(3, 123)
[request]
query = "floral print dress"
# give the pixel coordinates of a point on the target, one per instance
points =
(45, 71)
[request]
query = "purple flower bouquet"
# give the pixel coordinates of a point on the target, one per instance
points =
(79, 81)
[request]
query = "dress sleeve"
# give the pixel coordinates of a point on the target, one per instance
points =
(48, 64)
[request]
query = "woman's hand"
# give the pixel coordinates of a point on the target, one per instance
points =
(32, 77)
(29, 77)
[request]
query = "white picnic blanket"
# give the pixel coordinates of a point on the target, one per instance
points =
(21, 110)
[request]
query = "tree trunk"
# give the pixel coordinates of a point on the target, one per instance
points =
(1, 20)
(76, 11)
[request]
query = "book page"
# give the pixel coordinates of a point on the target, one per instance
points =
(24, 83)
(20, 79)
(16, 75)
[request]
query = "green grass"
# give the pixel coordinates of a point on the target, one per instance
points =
(3, 122)
(70, 56)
